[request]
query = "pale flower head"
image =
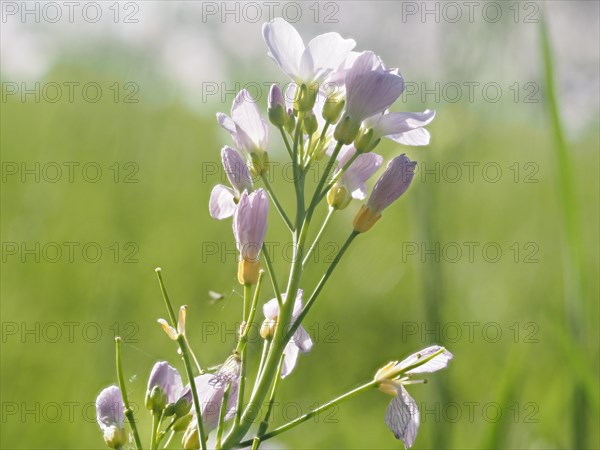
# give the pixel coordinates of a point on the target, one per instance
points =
(110, 415)
(402, 127)
(246, 126)
(402, 416)
(164, 386)
(305, 63)
(394, 182)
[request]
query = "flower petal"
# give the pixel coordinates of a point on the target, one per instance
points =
(236, 170)
(324, 54)
(401, 122)
(437, 362)
(167, 378)
(289, 359)
(110, 410)
(402, 417)
(285, 46)
(249, 122)
(359, 172)
(221, 204)
(302, 340)
(271, 309)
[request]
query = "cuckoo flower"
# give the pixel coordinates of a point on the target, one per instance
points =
(305, 64)
(247, 128)
(110, 415)
(249, 229)
(402, 415)
(223, 199)
(211, 389)
(402, 127)
(352, 181)
(300, 341)
(392, 184)
(370, 90)
(164, 386)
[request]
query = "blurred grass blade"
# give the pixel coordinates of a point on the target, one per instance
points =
(573, 252)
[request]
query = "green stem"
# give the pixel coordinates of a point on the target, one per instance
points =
(128, 410)
(263, 357)
(318, 237)
(278, 206)
(188, 368)
(222, 414)
(321, 284)
(287, 143)
(272, 275)
(153, 441)
(166, 299)
(241, 350)
(307, 416)
(326, 172)
(265, 423)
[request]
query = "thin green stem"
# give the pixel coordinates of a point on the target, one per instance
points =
(153, 438)
(222, 414)
(188, 368)
(128, 411)
(263, 357)
(275, 200)
(271, 271)
(314, 412)
(326, 172)
(166, 299)
(286, 142)
(241, 350)
(318, 237)
(321, 285)
(265, 423)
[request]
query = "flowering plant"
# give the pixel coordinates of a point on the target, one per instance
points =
(342, 128)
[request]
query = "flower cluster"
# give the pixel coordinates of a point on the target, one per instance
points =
(340, 131)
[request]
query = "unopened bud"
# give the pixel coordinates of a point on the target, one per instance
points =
(310, 123)
(115, 437)
(306, 97)
(190, 440)
(332, 110)
(156, 399)
(276, 107)
(182, 423)
(290, 125)
(365, 142)
(338, 196)
(346, 130)
(267, 329)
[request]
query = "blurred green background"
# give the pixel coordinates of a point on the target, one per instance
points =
(522, 323)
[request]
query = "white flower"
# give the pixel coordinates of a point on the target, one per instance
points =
(402, 127)
(402, 415)
(305, 64)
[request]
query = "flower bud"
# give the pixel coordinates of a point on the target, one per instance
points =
(290, 125)
(365, 141)
(306, 97)
(191, 440)
(310, 123)
(182, 407)
(332, 110)
(182, 423)
(276, 107)
(115, 437)
(346, 130)
(156, 399)
(267, 329)
(338, 197)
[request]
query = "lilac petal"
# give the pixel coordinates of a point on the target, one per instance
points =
(400, 122)
(289, 359)
(370, 89)
(392, 184)
(228, 124)
(297, 304)
(359, 172)
(403, 418)
(417, 137)
(285, 46)
(302, 340)
(236, 170)
(167, 378)
(221, 204)
(110, 410)
(438, 362)
(250, 223)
